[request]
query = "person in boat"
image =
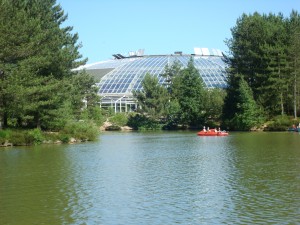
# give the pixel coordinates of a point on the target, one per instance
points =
(207, 128)
(204, 129)
(219, 129)
(216, 130)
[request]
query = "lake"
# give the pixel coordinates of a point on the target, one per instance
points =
(154, 178)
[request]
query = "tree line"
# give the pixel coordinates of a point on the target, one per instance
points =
(39, 89)
(182, 101)
(263, 68)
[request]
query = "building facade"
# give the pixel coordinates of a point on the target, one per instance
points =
(119, 76)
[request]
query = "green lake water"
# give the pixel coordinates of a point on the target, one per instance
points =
(154, 178)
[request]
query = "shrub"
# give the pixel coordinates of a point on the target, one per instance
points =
(18, 137)
(81, 130)
(280, 123)
(113, 128)
(51, 136)
(64, 138)
(4, 136)
(119, 119)
(142, 122)
(95, 114)
(34, 136)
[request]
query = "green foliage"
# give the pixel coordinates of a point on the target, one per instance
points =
(38, 87)
(170, 73)
(280, 123)
(214, 106)
(58, 118)
(26, 137)
(96, 115)
(294, 58)
(107, 112)
(81, 130)
(173, 115)
(19, 138)
(64, 137)
(4, 136)
(153, 98)
(189, 91)
(113, 128)
(36, 136)
(183, 100)
(43, 103)
(247, 113)
(51, 137)
(265, 62)
(142, 122)
(119, 119)
(92, 113)
(82, 87)
(231, 98)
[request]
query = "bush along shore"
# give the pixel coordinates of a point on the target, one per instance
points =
(82, 131)
(72, 133)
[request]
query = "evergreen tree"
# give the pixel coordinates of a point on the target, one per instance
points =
(153, 98)
(83, 93)
(231, 99)
(274, 86)
(170, 73)
(248, 114)
(214, 105)
(36, 58)
(188, 88)
(294, 59)
(258, 51)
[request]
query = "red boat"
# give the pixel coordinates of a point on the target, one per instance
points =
(212, 132)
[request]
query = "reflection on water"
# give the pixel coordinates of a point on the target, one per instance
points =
(154, 178)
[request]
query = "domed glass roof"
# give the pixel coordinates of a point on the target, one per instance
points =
(120, 76)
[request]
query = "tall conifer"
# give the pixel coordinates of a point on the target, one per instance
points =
(37, 57)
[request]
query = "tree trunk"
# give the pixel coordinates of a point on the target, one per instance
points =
(295, 95)
(4, 125)
(38, 121)
(281, 92)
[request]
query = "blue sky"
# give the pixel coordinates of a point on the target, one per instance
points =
(106, 27)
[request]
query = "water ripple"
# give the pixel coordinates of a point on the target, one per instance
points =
(154, 178)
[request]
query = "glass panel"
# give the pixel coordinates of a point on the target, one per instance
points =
(129, 73)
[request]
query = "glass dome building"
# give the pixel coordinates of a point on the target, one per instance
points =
(118, 77)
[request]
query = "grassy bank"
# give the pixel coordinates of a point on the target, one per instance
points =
(72, 132)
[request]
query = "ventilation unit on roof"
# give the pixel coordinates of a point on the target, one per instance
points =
(139, 52)
(197, 51)
(205, 51)
(131, 53)
(178, 53)
(118, 56)
(219, 52)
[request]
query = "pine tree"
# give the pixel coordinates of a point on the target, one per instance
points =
(170, 73)
(153, 98)
(248, 114)
(231, 99)
(294, 59)
(36, 58)
(189, 90)
(259, 51)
